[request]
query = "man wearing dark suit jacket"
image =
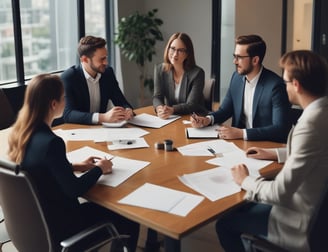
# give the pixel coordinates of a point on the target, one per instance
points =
(90, 85)
(256, 99)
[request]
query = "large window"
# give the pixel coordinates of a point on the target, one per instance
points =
(49, 33)
(95, 18)
(7, 48)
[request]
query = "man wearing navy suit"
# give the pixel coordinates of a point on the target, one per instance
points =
(90, 85)
(256, 100)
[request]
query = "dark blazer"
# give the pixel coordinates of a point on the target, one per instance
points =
(77, 108)
(59, 189)
(270, 107)
(191, 98)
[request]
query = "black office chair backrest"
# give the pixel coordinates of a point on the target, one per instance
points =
(208, 93)
(318, 227)
(7, 115)
(24, 218)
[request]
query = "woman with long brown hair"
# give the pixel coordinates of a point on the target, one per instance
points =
(40, 152)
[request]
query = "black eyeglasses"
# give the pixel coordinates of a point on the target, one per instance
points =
(287, 81)
(239, 57)
(178, 50)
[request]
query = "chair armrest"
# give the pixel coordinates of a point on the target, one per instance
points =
(253, 243)
(112, 231)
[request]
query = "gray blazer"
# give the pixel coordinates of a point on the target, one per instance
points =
(297, 189)
(191, 97)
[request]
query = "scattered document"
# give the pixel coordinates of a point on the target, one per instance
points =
(214, 184)
(114, 125)
(208, 148)
(130, 143)
(151, 121)
(163, 199)
(205, 132)
(233, 158)
(121, 133)
(123, 168)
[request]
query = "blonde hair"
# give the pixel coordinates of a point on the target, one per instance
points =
(41, 90)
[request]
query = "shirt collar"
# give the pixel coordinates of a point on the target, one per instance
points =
(89, 77)
(254, 81)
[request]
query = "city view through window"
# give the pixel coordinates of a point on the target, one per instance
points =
(49, 35)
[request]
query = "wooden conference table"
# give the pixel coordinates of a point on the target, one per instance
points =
(164, 169)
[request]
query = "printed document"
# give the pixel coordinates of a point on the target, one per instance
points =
(162, 199)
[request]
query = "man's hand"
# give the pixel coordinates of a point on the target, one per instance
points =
(116, 114)
(199, 121)
(239, 173)
(227, 132)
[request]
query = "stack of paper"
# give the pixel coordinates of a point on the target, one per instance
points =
(163, 199)
(214, 183)
(123, 168)
(151, 121)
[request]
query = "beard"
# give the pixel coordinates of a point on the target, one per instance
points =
(244, 71)
(99, 69)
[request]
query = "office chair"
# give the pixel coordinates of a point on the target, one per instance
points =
(208, 93)
(317, 235)
(25, 220)
(7, 116)
(4, 237)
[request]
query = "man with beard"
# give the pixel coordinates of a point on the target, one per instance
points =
(256, 99)
(90, 85)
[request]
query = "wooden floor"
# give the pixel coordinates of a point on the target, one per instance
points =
(202, 240)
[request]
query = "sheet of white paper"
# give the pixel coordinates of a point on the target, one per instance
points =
(206, 132)
(214, 183)
(219, 146)
(114, 125)
(123, 168)
(151, 121)
(111, 134)
(239, 157)
(83, 153)
(131, 143)
(82, 134)
(163, 199)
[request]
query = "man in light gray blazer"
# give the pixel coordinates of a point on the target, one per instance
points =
(282, 208)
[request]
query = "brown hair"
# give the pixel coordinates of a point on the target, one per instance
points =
(256, 45)
(309, 68)
(89, 44)
(189, 61)
(40, 92)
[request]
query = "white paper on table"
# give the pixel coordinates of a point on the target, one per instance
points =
(81, 134)
(163, 199)
(214, 184)
(219, 146)
(125, 143)
(151, 121)
(123, 168)
(205, 132)
(120, 133)
(114, 125)
(83, 153)
(239, 157)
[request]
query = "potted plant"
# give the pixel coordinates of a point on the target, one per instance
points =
(136, 37)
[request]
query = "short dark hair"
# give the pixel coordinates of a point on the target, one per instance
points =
(256, 45)
(89, 44)
(308, 68)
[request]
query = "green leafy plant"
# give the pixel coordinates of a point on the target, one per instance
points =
(136, 37)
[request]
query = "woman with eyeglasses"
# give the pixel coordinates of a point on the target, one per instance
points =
(178, 81)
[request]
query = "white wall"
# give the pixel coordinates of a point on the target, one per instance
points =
(190, 16)
(262, 17)
(194, 17)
